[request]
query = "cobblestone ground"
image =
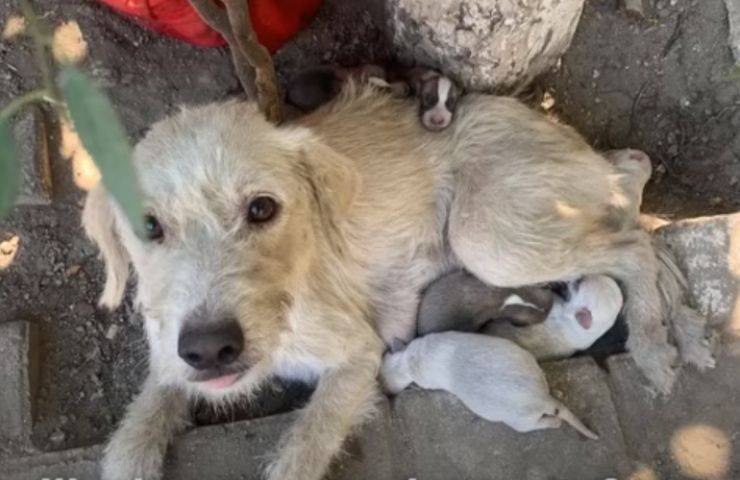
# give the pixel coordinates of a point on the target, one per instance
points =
(68, 369)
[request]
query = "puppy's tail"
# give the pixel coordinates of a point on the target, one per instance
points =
(687, 326)
(564, 413)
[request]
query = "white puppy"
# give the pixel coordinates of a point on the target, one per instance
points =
(573, 324)
(496, 379)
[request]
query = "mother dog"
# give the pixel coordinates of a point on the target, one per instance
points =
(297, 251)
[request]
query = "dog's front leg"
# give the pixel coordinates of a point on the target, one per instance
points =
(137, 448)
(343, 399)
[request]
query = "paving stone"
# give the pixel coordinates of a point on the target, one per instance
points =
(229, 451)
(241, 450)
(18, 380)
(634, 7)
(31, 136)
(708, 251)
(692, 434)
(440, 439)
(78, 464)
(733, 18)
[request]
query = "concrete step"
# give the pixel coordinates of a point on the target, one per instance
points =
(442, 440)
(220, 452)
(693, 434)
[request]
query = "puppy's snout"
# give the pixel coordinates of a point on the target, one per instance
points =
(438, 120)
(211, 346)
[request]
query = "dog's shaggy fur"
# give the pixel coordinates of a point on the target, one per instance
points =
(372, 208)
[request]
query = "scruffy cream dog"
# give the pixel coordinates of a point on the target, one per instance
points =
(496, 379)
(572, 324)
(297, 250)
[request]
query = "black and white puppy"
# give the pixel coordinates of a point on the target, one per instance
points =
(438, 95)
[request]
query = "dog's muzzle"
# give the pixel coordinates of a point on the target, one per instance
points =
(214, 351)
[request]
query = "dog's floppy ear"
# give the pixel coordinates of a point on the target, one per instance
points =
(99, 222)
(333, 177)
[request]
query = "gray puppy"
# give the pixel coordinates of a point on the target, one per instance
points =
(496, 379)
(459, 301)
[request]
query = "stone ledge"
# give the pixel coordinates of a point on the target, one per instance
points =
(19, 379)
(442, 440)
(220, 452)
(690, 434)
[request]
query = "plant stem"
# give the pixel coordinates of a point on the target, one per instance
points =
(19, 102)
(40, 42)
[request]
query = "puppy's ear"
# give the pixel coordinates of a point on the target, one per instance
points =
(99, 222)
(332, 176)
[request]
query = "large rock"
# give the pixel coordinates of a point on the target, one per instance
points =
(485, 44)
(708, 251)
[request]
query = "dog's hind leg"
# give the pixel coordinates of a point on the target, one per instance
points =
(138, 447)
(507, 251)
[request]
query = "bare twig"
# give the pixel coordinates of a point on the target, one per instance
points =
(252, 61)
(268, 95)
(19, 102)
(217, 19)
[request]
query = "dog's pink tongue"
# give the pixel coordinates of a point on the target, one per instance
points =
(222, 382)
(584, 318)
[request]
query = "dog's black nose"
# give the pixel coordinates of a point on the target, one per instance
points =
(211, 346)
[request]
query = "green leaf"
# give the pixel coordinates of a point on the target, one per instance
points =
(9, 170)
(104, 138)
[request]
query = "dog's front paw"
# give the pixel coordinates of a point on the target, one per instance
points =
(659, 368)
(700, 355)
(128, 459)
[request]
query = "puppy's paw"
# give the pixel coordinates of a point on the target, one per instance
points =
(126, 459)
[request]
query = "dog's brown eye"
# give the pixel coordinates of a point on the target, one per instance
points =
(262, 209)
(153, 228)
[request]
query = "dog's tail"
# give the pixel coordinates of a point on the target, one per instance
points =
(570, 418)
(687, 326)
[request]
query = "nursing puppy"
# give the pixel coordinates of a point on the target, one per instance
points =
(459, 301)
(493, 377)
(296, 251)
(573, 324)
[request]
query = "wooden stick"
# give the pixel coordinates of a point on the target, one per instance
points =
(252, 61)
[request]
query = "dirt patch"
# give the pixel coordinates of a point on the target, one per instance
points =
(663, 84)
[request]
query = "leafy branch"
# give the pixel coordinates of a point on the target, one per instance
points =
(74, 97)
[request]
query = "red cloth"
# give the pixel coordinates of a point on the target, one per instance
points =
(274, 21)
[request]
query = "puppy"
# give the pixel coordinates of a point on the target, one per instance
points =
(459, 301)
(493, 377)
(297, 251)
(312, 87)
(438, 95)
(573, 324)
